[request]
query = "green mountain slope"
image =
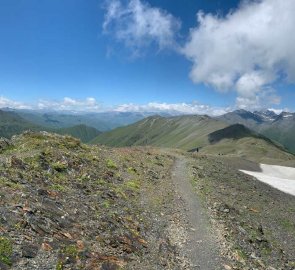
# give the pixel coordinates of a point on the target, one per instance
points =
(185, 132)
(236, 132)
(12, 124)
(103, 121)
(83, 132)
(286, 138)
(239, 141)
(56, 120)
(280, 128)
(209, 135)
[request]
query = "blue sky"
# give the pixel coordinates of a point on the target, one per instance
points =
(74, 49)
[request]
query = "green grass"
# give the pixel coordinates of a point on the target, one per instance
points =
(59, 266)
(134, 184)
(7, 183)
(5, 250)
(111, 164)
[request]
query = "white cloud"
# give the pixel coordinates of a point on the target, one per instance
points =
(70, 104)
(175, 108)
(246, 51)
(8, 103)
(90, 104)
(66, 104)
(138, 25)
(257, 100)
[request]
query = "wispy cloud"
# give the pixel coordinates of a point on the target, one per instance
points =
(247, 51)
(66, 104)
(70, 104)
(9, 103)
(176, 108)
(138, 25)
(92, 105)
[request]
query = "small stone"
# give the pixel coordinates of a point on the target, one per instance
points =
(80, 245)
(46, 247)
(242, 230)
(109, 266)
(227, 267)
(259, 239)
(29, 251)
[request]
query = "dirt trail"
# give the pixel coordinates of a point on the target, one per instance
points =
(201, 246)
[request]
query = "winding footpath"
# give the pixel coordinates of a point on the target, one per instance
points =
(201, 246)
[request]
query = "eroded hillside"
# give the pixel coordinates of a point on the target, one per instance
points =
(65, 205)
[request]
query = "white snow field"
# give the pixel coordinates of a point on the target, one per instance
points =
(279, 177)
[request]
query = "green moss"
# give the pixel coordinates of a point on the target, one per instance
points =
(106, 204)
(5, 251)
(59, 166)
(133, 184)
(288, 225)
(71, 251)
(59, 266)
(100, 182)
(132, 170)
(58, 187)
(7, 183)
(111, 164)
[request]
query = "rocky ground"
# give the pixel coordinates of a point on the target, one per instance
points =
(66, 205)
(255, 222)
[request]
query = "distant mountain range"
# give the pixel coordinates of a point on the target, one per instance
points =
(103, 121)
(12, 123)
(144, 128)
(278, 127)
(197, 133)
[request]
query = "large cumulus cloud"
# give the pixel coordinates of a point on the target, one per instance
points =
(246, 51)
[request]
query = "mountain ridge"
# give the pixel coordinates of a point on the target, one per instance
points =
(277, 127)
(12, 124)
(184, 132)
(198, 133)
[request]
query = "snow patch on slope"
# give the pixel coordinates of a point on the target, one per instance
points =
(279, 177)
